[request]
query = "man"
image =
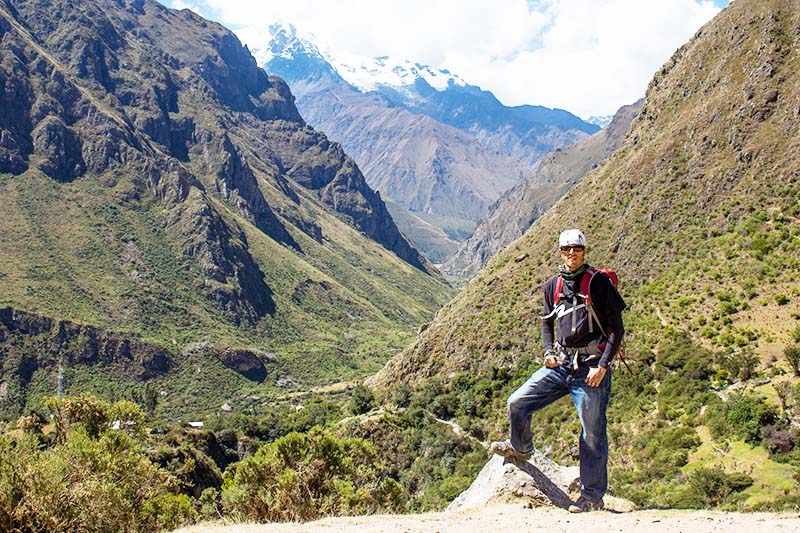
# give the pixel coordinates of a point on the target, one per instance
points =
(581, 336)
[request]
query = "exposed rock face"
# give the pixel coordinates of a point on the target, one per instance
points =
(245, 362)
(322, 166)
(68, 62)
(538, 481)
(29, 342)
(511, 216)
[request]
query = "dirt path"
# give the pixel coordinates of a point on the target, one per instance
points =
(506, 518)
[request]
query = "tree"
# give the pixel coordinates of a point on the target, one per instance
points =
(362, 400)
(792, 354)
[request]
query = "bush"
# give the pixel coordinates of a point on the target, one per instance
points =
(748, 415)
(304, 476)
(87, 484)
(741, 364)
(778, 441)
(684, 370)
(792, 354)
(712, 486)
(362, 401)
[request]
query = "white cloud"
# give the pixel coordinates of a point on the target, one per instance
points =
(586, 56)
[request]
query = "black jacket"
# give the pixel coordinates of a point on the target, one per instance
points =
(607, 303)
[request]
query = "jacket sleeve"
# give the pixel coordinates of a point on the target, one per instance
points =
(548, 319)
(609, 304)
(614, 340)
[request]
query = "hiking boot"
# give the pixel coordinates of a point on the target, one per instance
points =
(585, 505)
(505, 449)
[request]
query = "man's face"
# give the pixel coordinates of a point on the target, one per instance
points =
(573, 256)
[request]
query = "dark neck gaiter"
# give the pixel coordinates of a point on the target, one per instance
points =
(566, 275)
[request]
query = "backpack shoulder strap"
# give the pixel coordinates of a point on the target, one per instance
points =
(559, 289)
(586, 294)
(586, 281)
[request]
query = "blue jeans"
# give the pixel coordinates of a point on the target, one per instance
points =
(547, 385)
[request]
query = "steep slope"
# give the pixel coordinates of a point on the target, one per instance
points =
(520, 206)
(157, 183)
(698, 212)
(444, 152)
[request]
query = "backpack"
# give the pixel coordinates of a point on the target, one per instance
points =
(585, 294)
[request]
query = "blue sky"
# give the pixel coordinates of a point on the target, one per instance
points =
(587, 56)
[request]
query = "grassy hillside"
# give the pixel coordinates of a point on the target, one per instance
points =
(698, 213)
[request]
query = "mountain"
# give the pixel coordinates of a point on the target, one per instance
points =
(699, 214)
(432, 144)
(169, 217)
(511, 215)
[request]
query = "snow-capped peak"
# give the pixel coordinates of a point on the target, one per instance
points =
(364, 73)
(600, 120)
(367, 74)
(286, 43)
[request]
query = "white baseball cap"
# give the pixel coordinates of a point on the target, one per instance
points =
(572, 237)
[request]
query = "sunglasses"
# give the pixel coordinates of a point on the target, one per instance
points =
(568, 249)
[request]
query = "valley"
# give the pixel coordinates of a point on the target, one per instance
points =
(214, 307)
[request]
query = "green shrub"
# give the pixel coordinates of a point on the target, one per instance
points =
(304, 476)
(362, 400)
(728, 307)
(742, 364)
(760, 246)
(792, 354)
(658, 456)
(684, 370)
(748, 415)
(87, 484)
(713, 486)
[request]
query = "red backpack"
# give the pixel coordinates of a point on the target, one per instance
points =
(585, 294)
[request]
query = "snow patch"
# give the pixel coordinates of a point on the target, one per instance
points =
(364, 73)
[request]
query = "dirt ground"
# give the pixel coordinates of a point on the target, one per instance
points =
(515, 517)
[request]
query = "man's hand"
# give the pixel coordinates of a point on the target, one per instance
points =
(595, 376)
(551, 361)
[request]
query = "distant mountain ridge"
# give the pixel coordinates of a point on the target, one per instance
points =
(518, 208)
(364, 73)
(600, 120)
(440, 148)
